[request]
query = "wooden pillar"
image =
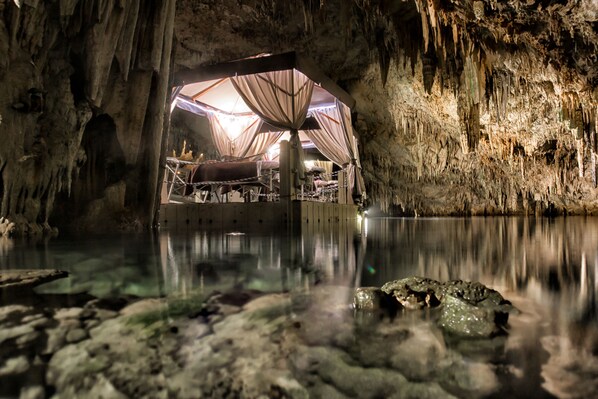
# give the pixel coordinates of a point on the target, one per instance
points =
(288, 192)
(287, 188)
(342, 189)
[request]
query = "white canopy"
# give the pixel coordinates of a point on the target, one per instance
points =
(237, 106)
(220, 95)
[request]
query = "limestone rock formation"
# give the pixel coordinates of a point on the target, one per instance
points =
(469, 107)
(467, 309)
(84, 91)
(6, 227)
(24, 280)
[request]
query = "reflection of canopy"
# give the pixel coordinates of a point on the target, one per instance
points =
(281, 90)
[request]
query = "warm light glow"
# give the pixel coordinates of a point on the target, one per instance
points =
(273, 151)
(309, 164)
(231, 126)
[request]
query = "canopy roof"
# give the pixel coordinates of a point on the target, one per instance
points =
(239, 98)
(210, 87)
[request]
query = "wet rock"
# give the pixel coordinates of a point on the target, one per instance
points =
(36, 320)
(27, 338)
(7, 334)
(13, 366)
(469, 309)
(414, 292)
(56, 340)
(145, 306)
(68, 313)
(472, 292)
(369, 298)
(465, 378)
(337, 369)
(11, 280)
(13, 311)
(32, 392)
(417, 356)
(461, 318)
(103, 314)
(76, 335)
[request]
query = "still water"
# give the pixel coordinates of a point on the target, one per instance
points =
(548, 269)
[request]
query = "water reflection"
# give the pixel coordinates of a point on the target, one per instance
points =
(211, 260)
(548, 268)
(547, 260)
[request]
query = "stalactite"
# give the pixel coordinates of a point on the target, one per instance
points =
(44, 39)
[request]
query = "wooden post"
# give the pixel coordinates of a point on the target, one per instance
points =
(288, 192)
(342, 189)
(287, 189)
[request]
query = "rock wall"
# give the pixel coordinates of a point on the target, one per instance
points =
(490, 110)
(84, 87)
(471, 107)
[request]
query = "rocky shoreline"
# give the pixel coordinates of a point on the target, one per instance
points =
(242, 344)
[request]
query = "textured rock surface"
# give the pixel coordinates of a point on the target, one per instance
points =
(467, 309)
(84, 89)
(28, 279)
(243, 344)
(470, 107)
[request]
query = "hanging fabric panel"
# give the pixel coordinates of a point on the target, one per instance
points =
(330, 138)
(234, 136)
(280, 98)
(261, 142)
(336, 141)
(355, 176)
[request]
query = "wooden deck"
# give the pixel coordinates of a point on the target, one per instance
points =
(266, 215)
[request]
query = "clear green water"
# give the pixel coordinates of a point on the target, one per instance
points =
(548, 268)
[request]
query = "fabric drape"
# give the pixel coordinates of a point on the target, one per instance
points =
(238, 137)
(336, 141)
(355, 175)
(235, 136)
(280, 98)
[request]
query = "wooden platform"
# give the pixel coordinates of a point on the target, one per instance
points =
(269, 215)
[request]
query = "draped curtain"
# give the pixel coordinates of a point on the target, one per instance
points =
(281, 98)
(336, 141)
(237, 136)
(355, 175)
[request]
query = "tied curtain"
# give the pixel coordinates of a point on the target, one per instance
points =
(238, 137)
(281, 98)
(336, 141)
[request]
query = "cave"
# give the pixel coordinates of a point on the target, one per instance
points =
(476, 128)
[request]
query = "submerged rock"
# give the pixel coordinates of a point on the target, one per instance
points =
(26, 279)
(467, 309)
(414, 292)
(369, 298)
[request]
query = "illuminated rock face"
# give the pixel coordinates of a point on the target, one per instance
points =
(84, 88)
(471, 107)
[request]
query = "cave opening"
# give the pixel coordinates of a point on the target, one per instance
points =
(101, 165)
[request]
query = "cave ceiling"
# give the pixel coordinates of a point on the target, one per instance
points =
(462, 107)
(456, 100)
(526, 38)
